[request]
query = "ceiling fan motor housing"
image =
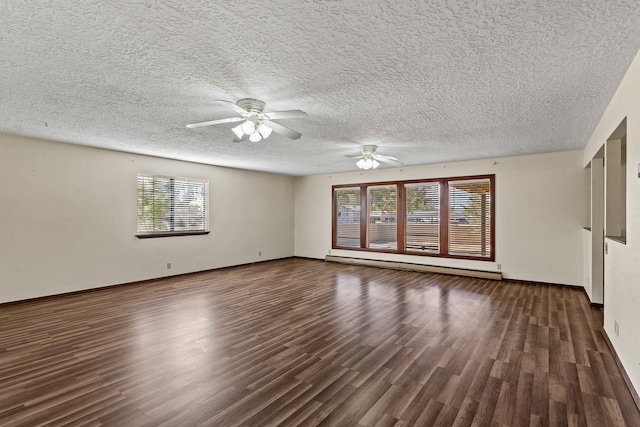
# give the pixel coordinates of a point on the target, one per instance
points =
(251, 105)
(369, 149)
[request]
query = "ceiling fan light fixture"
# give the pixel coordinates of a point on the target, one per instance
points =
(367, 163)
(238, 131)
(248, 127)
(264, 130)
(252, 119)
(369, 159)
(255, 137)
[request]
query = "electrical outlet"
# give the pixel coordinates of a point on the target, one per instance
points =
(499, 266)
(260, 253)
(616, 328)
(168, 266)
(329, 252)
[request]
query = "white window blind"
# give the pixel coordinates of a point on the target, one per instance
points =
(171, 206)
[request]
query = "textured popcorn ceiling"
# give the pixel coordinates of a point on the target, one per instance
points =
(426, 81)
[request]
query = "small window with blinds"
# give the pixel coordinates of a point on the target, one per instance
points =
(169, 206)
(346, 220)
(444, 217)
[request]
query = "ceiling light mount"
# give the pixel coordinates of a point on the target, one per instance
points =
(369, 149)
(251, 105)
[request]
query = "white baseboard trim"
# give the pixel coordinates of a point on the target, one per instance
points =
(493, 275)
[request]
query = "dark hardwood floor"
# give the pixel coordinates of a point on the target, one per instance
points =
(303, 342)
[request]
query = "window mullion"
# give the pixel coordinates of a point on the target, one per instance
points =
(364, 217)
(444, 217)
(401, 218)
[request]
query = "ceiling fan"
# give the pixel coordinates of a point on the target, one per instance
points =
(253, 122)
(369, 159)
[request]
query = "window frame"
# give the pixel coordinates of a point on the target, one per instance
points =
(173, 233)
(382, 218)
(335, 214)
(402, 219)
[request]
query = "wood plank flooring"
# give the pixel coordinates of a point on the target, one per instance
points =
(304, 342)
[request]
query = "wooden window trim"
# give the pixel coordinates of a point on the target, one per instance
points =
(401, 217)
(444, 219)
(364, 220)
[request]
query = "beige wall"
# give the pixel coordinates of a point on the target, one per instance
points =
(622, 263)
(539, 214)
(68, 219)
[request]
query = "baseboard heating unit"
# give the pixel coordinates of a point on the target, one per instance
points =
(480, 274)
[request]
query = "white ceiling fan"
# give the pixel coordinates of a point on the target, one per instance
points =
(253, 122)
(369, 159)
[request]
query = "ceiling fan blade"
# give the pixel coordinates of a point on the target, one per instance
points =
(283, 130)
(233, 106)
(354, 156)
(289, 114)
(388, 159)
(244, 138)
(215, 122)
(382, 156)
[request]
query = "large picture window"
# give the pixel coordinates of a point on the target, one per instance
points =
(170, 206)
(448, 217)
